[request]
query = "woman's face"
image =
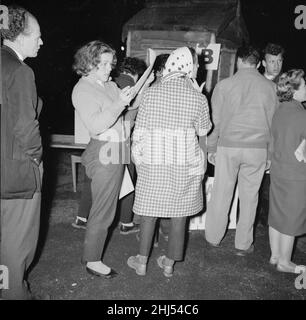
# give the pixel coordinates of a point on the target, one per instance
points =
(300, 94)
(104, 68)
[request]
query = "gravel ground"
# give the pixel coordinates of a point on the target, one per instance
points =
(206, 273)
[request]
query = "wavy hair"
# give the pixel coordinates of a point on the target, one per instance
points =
(289, 82)
(18, 23)
(88, 57)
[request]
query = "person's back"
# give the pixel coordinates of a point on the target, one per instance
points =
(243, 107)
(288, 126)
(179, 110)
(247, 110)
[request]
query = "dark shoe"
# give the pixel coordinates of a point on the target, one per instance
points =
(129, 229)
(79, 224)
(110, 275)
(243, 253)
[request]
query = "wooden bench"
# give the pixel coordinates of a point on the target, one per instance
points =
(63, 141)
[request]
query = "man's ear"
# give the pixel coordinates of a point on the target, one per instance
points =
(264, 63)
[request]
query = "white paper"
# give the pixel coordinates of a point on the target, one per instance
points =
(300, 152)
(127, 184)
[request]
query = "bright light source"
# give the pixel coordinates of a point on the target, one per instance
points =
(122, 48)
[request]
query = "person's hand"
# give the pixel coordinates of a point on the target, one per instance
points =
(127, 94)
(268, 165)
(212, 158)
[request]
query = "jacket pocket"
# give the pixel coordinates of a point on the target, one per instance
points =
(18, 179)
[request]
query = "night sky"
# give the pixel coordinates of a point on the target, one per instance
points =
(65, 25)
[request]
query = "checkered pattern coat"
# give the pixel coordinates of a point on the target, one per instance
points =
(169, 161)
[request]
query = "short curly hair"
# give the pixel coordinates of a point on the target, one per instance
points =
(133, 65)
(18, 23)
(274, 49)
(88, 57)
(289, 82)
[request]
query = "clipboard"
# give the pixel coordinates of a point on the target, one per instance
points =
(144, 77)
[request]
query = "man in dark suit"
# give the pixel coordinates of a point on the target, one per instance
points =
(21, 151)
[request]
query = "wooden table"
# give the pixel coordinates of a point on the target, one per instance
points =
(64, 141)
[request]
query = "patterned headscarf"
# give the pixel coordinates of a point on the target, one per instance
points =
(180, 60)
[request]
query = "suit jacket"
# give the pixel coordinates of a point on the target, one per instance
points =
(20, 136)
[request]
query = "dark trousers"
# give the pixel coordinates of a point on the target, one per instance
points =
(176, 237)
(19, 234)
(106, 182)
(86, 200)
(125, 205)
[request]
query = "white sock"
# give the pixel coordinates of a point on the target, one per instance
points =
(130, 224)
(82, 219)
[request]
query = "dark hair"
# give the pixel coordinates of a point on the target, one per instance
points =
(289, 82)
(160, 61)
(273, 49)
(249, 54)
(194, 54)
(88, 56)
(18, 23)
(134, 66)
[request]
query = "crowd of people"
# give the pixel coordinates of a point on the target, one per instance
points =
(165, 134)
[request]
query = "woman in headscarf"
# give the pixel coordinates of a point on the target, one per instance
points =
(287, 212)
(169, 157)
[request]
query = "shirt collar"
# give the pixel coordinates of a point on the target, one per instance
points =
(269, 77)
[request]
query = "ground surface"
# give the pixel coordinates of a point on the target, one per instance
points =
(206, 273)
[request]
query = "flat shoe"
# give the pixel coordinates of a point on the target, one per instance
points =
(297, 269)
(168, 270)
(110, 275)
(134, 263)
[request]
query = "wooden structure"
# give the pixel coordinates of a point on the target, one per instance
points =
(166, 25)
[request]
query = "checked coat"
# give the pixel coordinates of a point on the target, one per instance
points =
(165, 148)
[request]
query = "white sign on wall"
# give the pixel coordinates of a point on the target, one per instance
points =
(211, 55)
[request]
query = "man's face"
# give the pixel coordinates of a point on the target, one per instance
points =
(31, 43)
(273, 64)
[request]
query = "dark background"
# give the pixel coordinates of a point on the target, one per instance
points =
(65, 25)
